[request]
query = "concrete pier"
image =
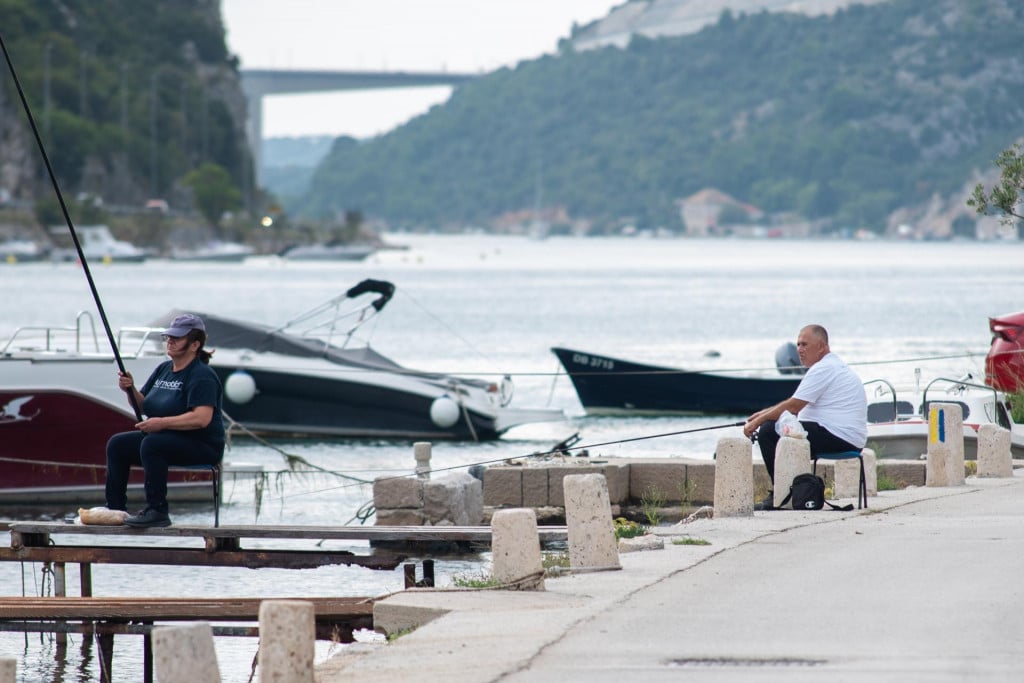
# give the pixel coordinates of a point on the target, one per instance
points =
(185, 654)
(792, 457)
(8, 669)
(287, 637)
(994, 456)
(592, 544)
(945, 445)
(515, 549)
(734, 478)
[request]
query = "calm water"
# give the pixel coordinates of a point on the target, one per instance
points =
(482, 305)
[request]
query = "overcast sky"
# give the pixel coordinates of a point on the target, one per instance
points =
(402, 35)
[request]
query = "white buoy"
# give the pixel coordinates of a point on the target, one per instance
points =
(240, 387)
(444, 412)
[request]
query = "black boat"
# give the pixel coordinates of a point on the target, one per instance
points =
(612, 386)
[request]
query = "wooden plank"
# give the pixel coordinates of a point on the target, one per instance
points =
(32, 531)
(171, 609)
(252, 559)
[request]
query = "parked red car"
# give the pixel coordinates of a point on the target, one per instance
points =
(1004, 364)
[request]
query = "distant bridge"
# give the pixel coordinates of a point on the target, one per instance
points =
(256, 83)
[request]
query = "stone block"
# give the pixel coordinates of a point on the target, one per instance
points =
(456, 498)
(503, 486)
(638, 543)
(535, 486)
(700, 482)
(556, 492)
(792, 457)
(397, 492)
(870, 471)
(8, 669)
(287, 638)
(185, 654)
(667, 478)
(617, 475)
(946, 439)
(995, 459)
(515, 549)
(903, 472)
(402, 517)
(592, 543)
(734, 481)
(847, 478)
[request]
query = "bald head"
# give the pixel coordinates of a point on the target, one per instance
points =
(812, 344)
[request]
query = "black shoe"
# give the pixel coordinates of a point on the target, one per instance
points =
(148, 518)
(766, 504)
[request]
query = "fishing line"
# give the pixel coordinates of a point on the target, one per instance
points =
(71, 227)
(554, 451)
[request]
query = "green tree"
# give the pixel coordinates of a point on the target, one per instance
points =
(213, 191)
(1008, 193)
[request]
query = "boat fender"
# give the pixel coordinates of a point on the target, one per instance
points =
(444, 412)
(240, 387)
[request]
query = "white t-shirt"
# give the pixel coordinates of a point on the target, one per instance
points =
(835, 400)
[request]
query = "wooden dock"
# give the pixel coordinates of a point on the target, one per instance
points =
(336, 618)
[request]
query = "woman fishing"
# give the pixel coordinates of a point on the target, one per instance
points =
(183, 423)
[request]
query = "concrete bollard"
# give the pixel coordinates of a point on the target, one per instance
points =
(994, 456)
(287, 639)
(946, 436)
(588, 516)
(792, 457)
(935, 466)
(421, 451)
(734, 477)
(870, 471)
(185, 654)
(847, 478)
(8, 669)
(515, 548)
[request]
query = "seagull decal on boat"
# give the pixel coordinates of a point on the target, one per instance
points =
(12, 411)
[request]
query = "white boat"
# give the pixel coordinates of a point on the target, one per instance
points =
(214, 251)
(898, 421)
(328, 252)
(98, 246)
(21, 251)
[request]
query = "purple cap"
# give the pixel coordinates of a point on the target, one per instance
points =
(185, 323)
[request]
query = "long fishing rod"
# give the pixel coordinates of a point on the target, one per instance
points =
(71, 227)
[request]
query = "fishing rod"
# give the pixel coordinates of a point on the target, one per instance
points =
(71, 227)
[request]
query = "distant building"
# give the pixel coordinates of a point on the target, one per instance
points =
(702, 212)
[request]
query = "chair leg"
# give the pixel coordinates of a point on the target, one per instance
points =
(216, 495)
(862, 489)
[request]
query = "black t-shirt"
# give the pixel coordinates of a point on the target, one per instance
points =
(167, 393)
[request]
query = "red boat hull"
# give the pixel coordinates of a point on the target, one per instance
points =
(53, 441)
(1004, 364)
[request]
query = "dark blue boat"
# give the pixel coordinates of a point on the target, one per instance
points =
(612, 386)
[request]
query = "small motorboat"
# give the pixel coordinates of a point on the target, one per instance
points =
(98, 246)
(612, 386)
(308, 378)
(330, 251)
(898, 422)
(21, 251)
(214, 251)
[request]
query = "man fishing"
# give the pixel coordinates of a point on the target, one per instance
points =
(829, 402)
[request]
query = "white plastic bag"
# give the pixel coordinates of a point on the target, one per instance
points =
(788, 425)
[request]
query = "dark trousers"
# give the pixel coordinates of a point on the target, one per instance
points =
(154, 452)
(820, 439)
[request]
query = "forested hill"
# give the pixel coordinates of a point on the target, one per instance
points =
(847, 117)
(129, 95)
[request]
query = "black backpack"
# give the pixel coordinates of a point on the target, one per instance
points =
(808, 493)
